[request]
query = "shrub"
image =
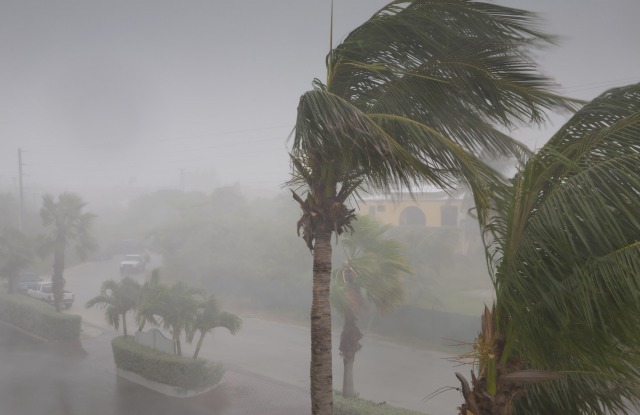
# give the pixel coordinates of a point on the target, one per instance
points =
(157, 366)
(357, 406)
(38, 318)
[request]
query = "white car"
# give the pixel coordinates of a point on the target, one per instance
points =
(133, 264)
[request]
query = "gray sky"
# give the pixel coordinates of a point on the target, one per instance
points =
(153, 92)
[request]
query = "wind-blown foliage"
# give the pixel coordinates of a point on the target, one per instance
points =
(117, 299)
(66, 223)
(208, 317)
(170, 306)
(374, 266)
(566, 246)
(411, 97)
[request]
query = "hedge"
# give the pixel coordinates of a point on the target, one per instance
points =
(357, 406)
(39, 318)
(181, 371)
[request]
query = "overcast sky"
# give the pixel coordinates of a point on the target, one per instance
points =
(160, 93)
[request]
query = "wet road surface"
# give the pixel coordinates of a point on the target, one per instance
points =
(78, 378)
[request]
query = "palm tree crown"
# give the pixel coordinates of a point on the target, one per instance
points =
(566, 245)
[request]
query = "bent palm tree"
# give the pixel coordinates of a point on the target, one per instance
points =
(567, 275)
(117, 299)
(373, 266)
(411, 97)
(208, 317)
(65, 223)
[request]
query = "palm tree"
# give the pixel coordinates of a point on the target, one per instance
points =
(208, 317)
(172, 307)
(150, 293)
(566, 245)
(65, 224)
(117, 299)
(15, 254)
(374, 266)
(411, 97)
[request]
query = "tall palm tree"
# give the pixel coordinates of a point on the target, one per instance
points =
(15, 254)
(373, 268)
(566, 244)
(117, 299)
(411, 97)
(66, 223)
(208, 317)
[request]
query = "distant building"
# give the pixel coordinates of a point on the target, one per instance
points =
(436, 210)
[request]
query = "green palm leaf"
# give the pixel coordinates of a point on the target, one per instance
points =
(568, 261)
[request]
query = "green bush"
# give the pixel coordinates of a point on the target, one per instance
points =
(357, 406)
(180, 371)
(38, 318)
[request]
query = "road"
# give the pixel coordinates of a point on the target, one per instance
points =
(384, 371)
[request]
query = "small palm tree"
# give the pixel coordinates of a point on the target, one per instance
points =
(117, 299)
(566, 246)
(171, 307)
(66, 223)
(373, 268)
(411, 97)
(208, 317)
(15, 254)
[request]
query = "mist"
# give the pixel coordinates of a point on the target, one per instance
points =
(172, 121)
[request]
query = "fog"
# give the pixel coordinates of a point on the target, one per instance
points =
(166, 95)
(171, 119)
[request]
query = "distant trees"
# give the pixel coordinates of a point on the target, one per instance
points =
(565, 249)
(411, 98)
(16, 252)
(373, 268)
(66, 223)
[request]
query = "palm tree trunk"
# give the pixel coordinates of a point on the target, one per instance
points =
(124, 324)
(198, 346)
(349, 345)
(176, 337)
(321, 372)
(58, 269)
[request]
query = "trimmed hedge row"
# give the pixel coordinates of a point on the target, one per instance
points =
(357, 406)
(180, 371)
(39, 318)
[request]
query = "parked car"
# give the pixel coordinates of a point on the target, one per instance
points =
(24, 281)
(133, 264)
(44, 291)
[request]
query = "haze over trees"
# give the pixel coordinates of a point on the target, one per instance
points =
(411, 97)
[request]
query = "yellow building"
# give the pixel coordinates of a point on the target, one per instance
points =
(434, 209)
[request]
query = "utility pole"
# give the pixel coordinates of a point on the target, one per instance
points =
(21, 192)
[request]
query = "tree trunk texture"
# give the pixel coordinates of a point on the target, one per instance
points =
(124, 324)
(198, 346)
(349, 346)
(58, 273)
(320, 371)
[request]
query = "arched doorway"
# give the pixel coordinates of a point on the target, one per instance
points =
(412, 216)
